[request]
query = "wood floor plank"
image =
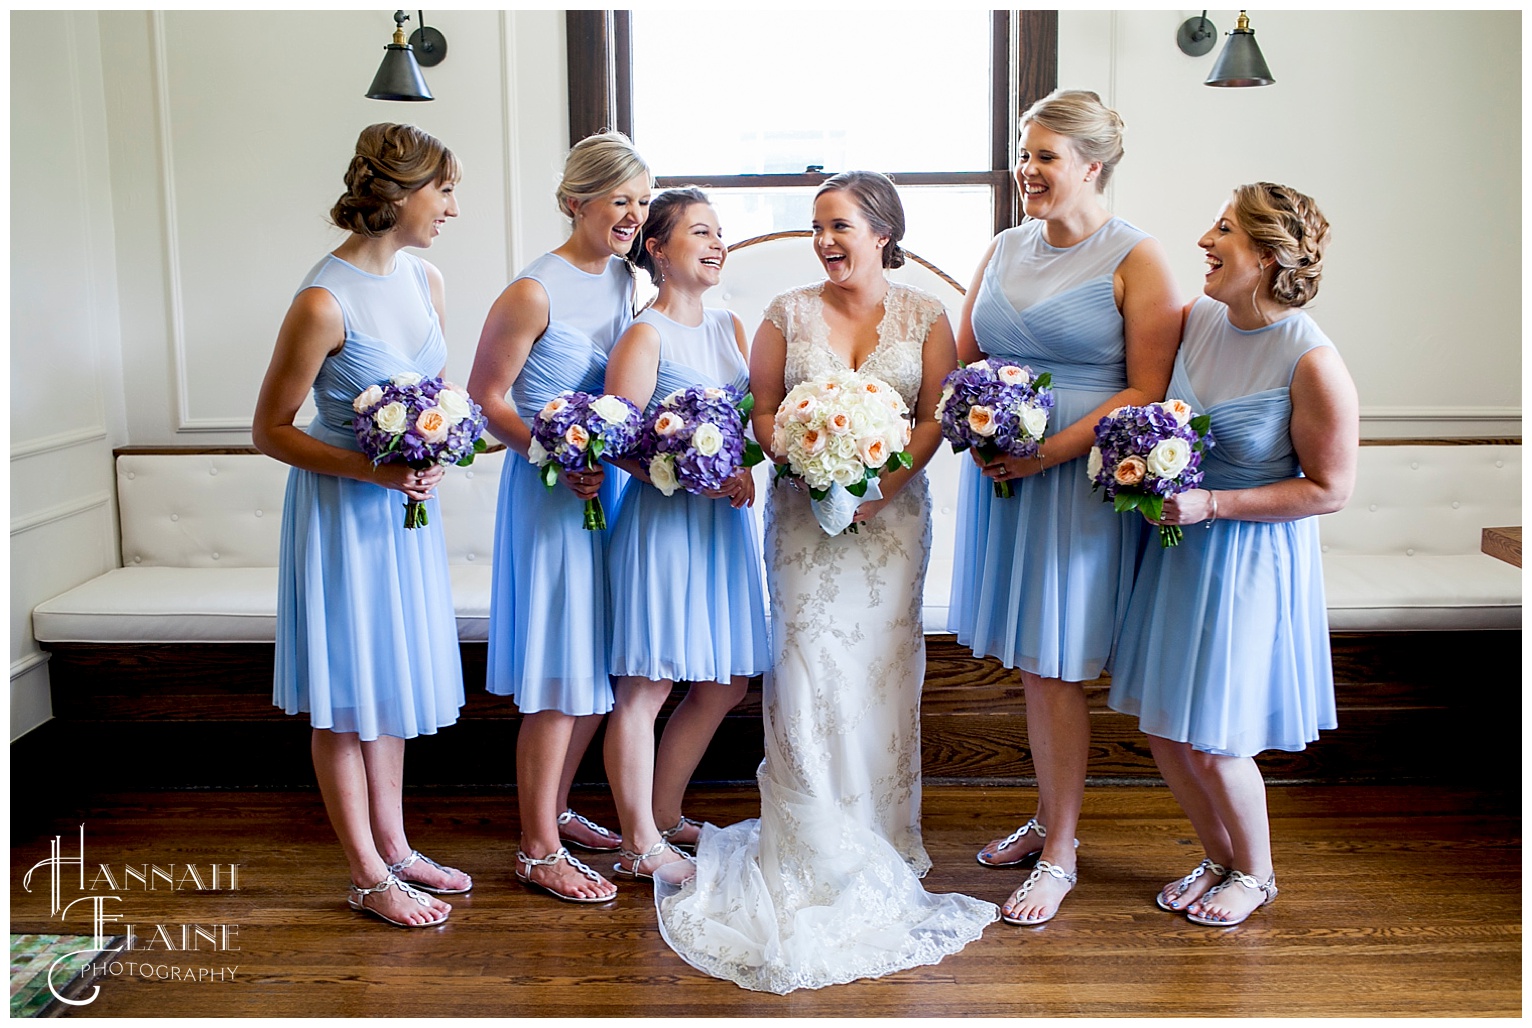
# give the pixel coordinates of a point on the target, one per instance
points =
(1375, 917)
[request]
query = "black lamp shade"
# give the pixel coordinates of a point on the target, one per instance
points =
(399, 77)
(1241, 63)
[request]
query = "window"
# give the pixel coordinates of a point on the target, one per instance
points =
(760, 110)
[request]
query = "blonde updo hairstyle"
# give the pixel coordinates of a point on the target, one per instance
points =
(1093, 127)
(596, 165)
(390, 163)
(1287, 226)
(879, 203)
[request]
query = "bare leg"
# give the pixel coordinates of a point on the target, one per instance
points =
(1178, 766)
(384, 759)
(1238, 794)
(541, 748)
(687, 734)
(630, 763)
(579, 741)
(343, 783)
(1058, 728)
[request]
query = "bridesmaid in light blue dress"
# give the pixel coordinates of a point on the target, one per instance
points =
(685, 570)
(1225, 651)
(1041, 579)
(550, 331)
(366, 635)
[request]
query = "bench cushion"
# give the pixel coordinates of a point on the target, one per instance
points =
(1421, 593)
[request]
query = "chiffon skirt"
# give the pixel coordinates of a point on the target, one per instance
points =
(1226, 644)
(1041, 579)
(685, 577)
(366, 631)
(549, 609)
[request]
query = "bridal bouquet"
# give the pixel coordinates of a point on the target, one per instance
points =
(420, 421)
(838, 435)
(1144, 454)
(696, 439)
(574, 431)
(997, 410)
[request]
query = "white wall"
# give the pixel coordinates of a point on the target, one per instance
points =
(1405, 126)
(171, 172)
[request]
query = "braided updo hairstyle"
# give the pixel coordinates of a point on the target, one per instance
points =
(391, 162)
(880, 205)
(665, 212)
(1093, 127)
(1289, 226)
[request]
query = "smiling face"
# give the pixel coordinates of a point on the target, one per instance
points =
(424, 211)
(1054, 179)
(612, 221)
(844, 240)
(693, 253)
(1235, 274)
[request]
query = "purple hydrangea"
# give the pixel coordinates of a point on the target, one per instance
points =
(997, 410)
(575, 430)
(696, 439)
(421, 422)
(1144, 454)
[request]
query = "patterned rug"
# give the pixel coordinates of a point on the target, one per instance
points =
(31, 956)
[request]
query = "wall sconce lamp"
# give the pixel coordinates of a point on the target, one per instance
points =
(399, 76)
(1240, 64)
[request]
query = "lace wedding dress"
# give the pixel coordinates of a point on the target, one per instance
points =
(825, 887)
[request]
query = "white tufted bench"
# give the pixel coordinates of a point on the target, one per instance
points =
(201, 533)
(1404, 553)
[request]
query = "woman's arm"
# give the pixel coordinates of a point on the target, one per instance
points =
(632, 371)
(1324, 430)
(967, 343)
(768, 363)
(313, 330)
(516, 320)
(1151, 316)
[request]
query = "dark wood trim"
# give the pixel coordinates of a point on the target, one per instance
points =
(622, 72)
(591, 89)
(1449, 441)
(1037, 75)
(1003, 118)
(817, 178)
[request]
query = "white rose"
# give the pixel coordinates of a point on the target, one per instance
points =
(713, 393)
(1010, 374)
(675, 394)
(453, 405)
(536, 454)
(1093, 463)
(1034, 420)
(406, 378)
(668, 424)
(1169, 458)
(662, 473)
(391, 418)
(369, 396)
(612, 410)
(707, 439)
(978, 365)
(846, 475)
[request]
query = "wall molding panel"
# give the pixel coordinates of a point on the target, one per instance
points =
(59, 512)
(57, 442)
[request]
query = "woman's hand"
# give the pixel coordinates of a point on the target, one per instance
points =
(1187, 508)
(865, 512)
(417, 485)
(585, 483)
(1005, 468)
(738, 489)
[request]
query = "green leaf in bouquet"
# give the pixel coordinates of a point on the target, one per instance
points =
(901, 459)
(959, 447)
(466, 460)
(782, 471)
(818, 494)
(479, 445)
(745, 405)
(1043, 381)
(753, 454)
(593, 454)
(858, 489)
(1124, 502)
(1201, 423)
(549, 473)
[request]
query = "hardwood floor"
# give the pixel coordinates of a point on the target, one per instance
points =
(1396, 901)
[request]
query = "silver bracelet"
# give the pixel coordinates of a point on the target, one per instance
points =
(1213, 497)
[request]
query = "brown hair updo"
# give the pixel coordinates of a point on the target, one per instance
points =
(1287, 225)
(665, 212)
(1093, 127)
(391, 162)
(879, 202)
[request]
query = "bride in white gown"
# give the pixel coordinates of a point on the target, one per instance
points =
(825, 887)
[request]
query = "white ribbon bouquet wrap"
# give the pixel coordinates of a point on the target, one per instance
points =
(838, 435)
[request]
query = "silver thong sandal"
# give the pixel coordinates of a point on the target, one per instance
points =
(356, 900)
(560, 854)
(418, 857)
(1208, 866)
(1267, 888)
